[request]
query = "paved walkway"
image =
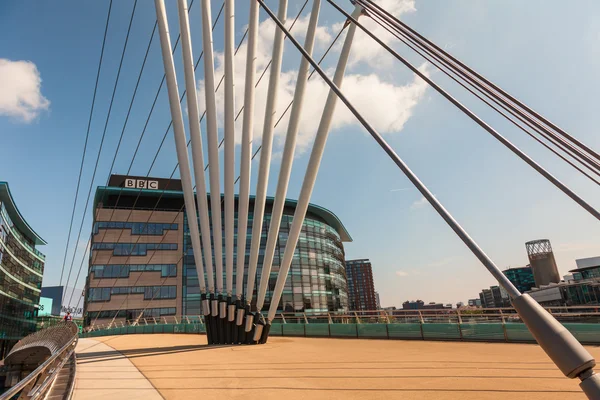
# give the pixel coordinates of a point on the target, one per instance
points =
(104, 373)
(183, 367)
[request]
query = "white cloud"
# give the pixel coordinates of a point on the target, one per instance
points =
(386, 105)
(422, 202)
(371, 52)
(20, 90)
(402, 273)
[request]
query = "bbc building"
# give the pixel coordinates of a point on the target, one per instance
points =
(141, 260)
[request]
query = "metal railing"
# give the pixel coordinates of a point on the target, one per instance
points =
(578, 314)
(491, 325)
(35, 362)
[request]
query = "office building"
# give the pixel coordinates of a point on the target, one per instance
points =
(582, 289)
(494, 297)
(142, 263)
(377, 301)
(21, 270)
(474, 302)
(361, 290)
(521, 277)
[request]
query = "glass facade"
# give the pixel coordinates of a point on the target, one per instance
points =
(316, 281)
(123, 271)
(21, 270)
(133, 313)
(522, 278)
(587, 273)
(133, 249)
(150, 292)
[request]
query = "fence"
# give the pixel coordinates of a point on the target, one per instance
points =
(500, 325)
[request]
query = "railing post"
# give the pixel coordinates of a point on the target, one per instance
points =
(421, 322)
(504, 326)
(460, 332)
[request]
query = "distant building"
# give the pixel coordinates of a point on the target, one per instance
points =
(474, 302)
(494, 297)
(582, 289)
(65, 300)
(521, 277)
(361, 290)
(420, 305)
(377, 301)
(22, 268)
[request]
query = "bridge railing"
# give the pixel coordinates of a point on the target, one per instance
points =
(35, 362)
(498, 324)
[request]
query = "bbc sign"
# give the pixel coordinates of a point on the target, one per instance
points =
(141, 184)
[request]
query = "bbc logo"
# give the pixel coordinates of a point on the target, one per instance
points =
(141, 184)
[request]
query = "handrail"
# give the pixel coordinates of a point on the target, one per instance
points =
(23, 383)
(482, 315)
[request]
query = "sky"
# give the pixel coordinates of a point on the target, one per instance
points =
(49, 56)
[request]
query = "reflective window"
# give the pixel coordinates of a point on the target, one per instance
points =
(137, 228)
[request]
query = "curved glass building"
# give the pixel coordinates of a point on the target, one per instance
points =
(21, 270)
(142, 262)
(317, 278)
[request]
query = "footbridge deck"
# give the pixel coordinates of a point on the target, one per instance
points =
(178, 366)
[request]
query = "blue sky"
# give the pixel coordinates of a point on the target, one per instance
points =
(501, 202)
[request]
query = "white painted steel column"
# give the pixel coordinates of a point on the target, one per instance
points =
(245, 162)
(229, 129)
(265, 156)
(196, 136)
(179, 134)
(213, 143)
(313, 168)
(288, 156)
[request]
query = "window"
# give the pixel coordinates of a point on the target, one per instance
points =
(133, 249)
(137, 228)
(123, 271)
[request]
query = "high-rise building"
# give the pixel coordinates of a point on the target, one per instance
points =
(361, 289)
(377, 301)
(521, 277)
(21, 270)
(142, 263)
(494, 297)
